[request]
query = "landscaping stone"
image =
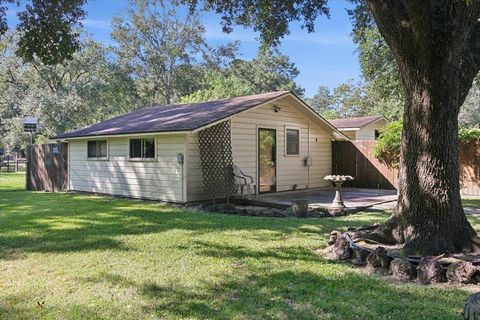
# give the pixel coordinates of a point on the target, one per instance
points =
(402, 269)
(430, 271)
(461, 272)
(300, 208)
(379, 258)
(333, 237)
(340, 250)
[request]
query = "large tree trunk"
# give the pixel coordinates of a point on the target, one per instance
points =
(436, 45)
(429, 208)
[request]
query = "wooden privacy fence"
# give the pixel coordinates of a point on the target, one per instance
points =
(47, 167)
(356, 158)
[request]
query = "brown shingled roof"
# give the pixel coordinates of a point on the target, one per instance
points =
(357, 122)
(181, 117)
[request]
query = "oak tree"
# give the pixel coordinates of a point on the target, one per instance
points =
(436, 45)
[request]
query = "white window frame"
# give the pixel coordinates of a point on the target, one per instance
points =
(285, 141)
(155, 146)
(98, 158)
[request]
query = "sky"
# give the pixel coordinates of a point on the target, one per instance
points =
(326, 57)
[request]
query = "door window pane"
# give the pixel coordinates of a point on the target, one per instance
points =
(267, 160)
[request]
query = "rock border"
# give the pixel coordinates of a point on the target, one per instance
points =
(423, 270)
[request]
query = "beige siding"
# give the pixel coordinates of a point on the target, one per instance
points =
(161, 179)
(195, 188)
(352, 134)
(368, 132)
(314, 141)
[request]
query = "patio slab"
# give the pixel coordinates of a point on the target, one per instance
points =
(323, 197)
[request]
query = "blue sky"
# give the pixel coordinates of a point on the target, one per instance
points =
(326, 57)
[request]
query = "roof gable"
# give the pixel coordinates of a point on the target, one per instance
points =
(355, 122)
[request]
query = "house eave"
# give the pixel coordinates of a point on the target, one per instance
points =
(136, 134)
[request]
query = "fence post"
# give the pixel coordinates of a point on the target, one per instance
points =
(29, 161)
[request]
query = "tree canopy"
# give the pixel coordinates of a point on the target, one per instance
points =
(160, 58)
(47, 29)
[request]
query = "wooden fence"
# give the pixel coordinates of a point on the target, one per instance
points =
(47, 167)
(12, 164)
(356, 158)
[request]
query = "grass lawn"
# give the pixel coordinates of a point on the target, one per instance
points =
(70, 256)
(471, 202)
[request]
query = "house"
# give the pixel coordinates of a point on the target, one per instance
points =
(360, 128)
(154, 152)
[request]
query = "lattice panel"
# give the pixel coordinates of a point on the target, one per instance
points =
(216, 159)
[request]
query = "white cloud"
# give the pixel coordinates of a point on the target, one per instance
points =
(97, 24)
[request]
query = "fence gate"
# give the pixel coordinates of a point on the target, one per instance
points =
(356, 158)
(47, 167)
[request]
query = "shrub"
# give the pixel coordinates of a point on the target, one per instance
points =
(387, 148)
(469, 134)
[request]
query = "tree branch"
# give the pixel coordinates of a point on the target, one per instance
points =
(395, 26)
(470, 64)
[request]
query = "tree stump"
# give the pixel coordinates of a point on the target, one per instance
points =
(359, 256)
(461, 272)
(379, 258)
(471, 310)
(340, 250)
(430, 271)
(402, 269)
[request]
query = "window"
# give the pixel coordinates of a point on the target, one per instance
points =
(142, 148)
(97, 149)
(292, 137)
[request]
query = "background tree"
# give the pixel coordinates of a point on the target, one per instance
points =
(84, 90)
(219, 85)
(349, 100)
(435, 45)
(321, 101)
(469, 116)
(165, 54)
(48, 29)
(267, 72)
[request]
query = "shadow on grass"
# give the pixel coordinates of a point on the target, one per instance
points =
(240, 252)
(294, 295)
(61, 222)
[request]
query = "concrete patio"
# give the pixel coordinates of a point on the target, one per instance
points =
(323, 197)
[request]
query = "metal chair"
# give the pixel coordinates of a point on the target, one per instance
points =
(243, 180)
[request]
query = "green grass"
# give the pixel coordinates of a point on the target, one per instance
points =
(70, 256)
(471, 202)
(12, 181)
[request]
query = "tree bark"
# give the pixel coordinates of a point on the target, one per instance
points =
(429, 205)
(436, 45)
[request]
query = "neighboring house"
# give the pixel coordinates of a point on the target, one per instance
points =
(360, 128)
(153, 153)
